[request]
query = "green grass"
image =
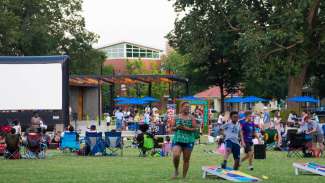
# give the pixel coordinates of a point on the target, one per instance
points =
(60, 167)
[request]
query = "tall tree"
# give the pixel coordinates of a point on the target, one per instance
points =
(208, 36)
(290, 35)
(46, 27)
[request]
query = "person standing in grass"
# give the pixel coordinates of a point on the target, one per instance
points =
(232, 133)
(184, 127)
(248, 132)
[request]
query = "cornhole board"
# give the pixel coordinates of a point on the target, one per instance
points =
(309, 167)
(228, 174)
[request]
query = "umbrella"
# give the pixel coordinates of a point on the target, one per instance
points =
(189, 98)
(150, 99)
(301, 99)
(253, 99)
(121, 98)
(234, 100)
(132, 101)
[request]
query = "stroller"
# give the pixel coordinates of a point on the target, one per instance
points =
(35, 147)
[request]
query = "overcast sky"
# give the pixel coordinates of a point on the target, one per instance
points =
(140, 21)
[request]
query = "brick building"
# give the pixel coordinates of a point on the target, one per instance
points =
(117, 55)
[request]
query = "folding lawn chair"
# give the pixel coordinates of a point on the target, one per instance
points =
(12, 147)
(147, 145)
(15, 154)
(69, 142)
(34, 147)
(113, 142)
(296, 145)
(270, 136)
(94, 142)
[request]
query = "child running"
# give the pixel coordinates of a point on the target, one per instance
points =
(248, 132)
(232, 133)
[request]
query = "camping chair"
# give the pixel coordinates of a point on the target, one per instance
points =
(69, 142)
(94, 142)
(2, 145)
(270, 136)
(34, 147)
(296, 145)
(113, 142)
(12, 154)
(147, 145)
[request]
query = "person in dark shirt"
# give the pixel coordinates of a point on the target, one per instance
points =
(12, 141)
(248, 130)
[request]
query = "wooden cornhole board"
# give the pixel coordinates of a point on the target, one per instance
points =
(228, 174)
(309, 167)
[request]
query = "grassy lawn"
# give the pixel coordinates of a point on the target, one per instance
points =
(60, 167)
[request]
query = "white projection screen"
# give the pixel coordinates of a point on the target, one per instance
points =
(31, 86)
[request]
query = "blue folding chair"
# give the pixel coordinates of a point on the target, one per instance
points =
(114, 143)
(70, 142)
(95, 143)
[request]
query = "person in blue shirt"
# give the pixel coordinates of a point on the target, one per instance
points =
(248, 132)
(233, 136)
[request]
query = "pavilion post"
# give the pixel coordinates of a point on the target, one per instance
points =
(111, 98)
(65, 97)
(99, 101)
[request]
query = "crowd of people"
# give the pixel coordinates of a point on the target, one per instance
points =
(124, 116)
(246, 128)
(234, 130)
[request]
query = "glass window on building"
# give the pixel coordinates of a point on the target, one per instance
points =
(129, 54)
(136, 54)
(155, 54)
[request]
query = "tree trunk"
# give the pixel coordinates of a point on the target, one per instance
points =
(222, 97)
(296, 84)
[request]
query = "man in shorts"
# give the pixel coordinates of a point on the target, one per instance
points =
(232, 133)
(314, 129)
(248, 132)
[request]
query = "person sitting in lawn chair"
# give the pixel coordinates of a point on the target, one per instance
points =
(70, 140)
(12, 145)
(94, 143)
(35, 146)
(145, 140)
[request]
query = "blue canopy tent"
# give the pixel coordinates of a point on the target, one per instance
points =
(233, 100)
(253, 99)
(132, 101)
(150, 99)
(190, 98)
(303, 99)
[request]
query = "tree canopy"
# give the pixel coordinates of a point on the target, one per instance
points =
(45, 27)
(269, 46)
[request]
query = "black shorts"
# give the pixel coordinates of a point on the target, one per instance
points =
(188, 146)
(249, 147)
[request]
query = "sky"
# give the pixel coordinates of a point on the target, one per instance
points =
(140, 21)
